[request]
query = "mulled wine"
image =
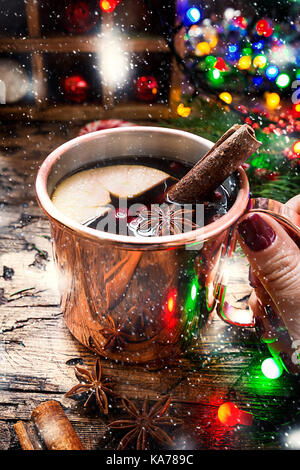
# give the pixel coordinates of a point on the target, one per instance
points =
(130, 197)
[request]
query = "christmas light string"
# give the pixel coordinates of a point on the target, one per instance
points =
(169, 31)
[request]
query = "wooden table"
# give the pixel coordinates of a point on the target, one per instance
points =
(38, 354)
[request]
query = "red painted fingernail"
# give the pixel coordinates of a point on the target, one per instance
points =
(256, 232)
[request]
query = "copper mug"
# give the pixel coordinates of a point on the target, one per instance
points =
(142, 301)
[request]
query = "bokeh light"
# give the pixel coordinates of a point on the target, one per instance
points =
(226, 97)
(272, 100)
(272, 72)
(283, 80)
(193, 15)
(244, 62)
(271, 369)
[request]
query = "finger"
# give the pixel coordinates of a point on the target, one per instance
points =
(267, 320)
(275, 260)
(294, 203)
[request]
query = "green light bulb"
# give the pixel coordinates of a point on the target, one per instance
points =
(271, 368)
(193, 292)
(283, 80)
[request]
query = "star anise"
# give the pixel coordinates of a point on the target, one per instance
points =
(115, 336)
(165, 219)
(91, 382)
(144, 423)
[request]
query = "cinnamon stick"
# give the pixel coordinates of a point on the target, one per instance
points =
(28, 438)
(231, 150)
(54, 427)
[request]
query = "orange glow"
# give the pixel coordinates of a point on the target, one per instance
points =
(296, 147)
(203, 48)
(108, 5)
(170, 308)
(230, 415)
(171, 304)
(183, 111)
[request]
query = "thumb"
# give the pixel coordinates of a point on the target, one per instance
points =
(275, 260)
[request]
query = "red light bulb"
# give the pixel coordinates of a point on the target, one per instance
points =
(170, 309)
(109, 5)
(230, 415)
(220, 64)
(263, 28)
(240, 22)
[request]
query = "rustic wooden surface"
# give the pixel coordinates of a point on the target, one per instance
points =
(38, 354)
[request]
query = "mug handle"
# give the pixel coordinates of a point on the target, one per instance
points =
(285, 351)
(290, 220)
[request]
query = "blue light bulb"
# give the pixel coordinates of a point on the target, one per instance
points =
(193, 15)
(272, 71)
(257, 81)
(258, 46)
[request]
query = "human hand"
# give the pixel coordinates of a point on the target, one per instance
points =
(275, 275)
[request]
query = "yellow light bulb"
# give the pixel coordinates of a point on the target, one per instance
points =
(203, 48)
(244, 62)
(105, 5)
(226, 97)
(272, 100)
(213, 41)
(183, 111)
(296, 147)
(260, 61)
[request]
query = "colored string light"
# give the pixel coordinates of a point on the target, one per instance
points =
(203, 48)
(296, 147)
(210, 60)
(247, 51)
(263, 28)
(170, 309)
(244, 62)
(258, 46)
(193, 292)
(283, 80)
(220, 64)
(272, 100)
(233, 52)
(240, 22)
(191, 299)
(183, 111)
(233, 48)
(271, 368)
(260, 61)
(193, 15)
(257, 80)
(215, 77)
(230, 415)
(272, 72)
(226, 97)
(296, 109)
(108, 5)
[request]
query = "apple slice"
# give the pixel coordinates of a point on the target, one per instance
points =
(129, 181)
(81, 196)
